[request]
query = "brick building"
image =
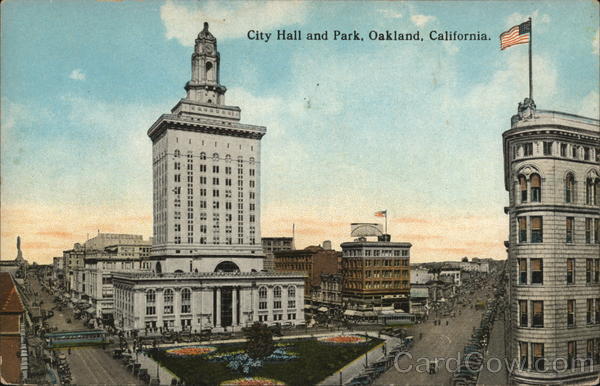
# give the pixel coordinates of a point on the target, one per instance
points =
(11, 333)
(313, 261)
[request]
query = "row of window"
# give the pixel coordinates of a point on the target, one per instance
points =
(531, 229)
(384, 284)
(531, 356)
(276, 317)
(530, 190)
(533, 273)
(375, 252)
(168, 297)
(215, 156)
(550, 148)
(531, 313)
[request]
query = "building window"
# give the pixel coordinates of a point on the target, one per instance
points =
(570, 313)
(589, 270)
(538, 356)
(524, 355)
(536, 188)
(589, 314)
(597, 271)
(537, 271)
(537, 230)
(186, 298)
(150, 302)
(523, 188)
(528, 149)
(262, 297)
(597, 230)
(547, 148)
(569, 229)
(571, 354)
(168, 299)
(569, 188)
(598, 311)
(522, 229)
(588, 230)
(538, 314)
(291, 297)
(522, 271)
(523, 318)
(570, 271)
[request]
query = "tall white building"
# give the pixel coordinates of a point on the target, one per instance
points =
(206, 167)
(207, 258)
(552, 175)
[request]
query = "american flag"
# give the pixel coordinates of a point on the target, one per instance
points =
(381, 213)
(518, 34)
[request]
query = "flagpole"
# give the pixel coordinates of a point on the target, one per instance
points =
(385, 221)
(530, 66)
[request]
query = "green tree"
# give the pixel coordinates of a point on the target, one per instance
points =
(259, 340)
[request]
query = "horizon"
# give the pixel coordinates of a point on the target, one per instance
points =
(342, 142)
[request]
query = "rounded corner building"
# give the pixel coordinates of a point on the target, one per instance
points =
(552, 174)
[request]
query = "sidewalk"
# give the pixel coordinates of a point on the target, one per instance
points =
(355, 367)
(495, 350)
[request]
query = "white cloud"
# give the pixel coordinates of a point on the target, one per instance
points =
(77, 74)
(596, 43)
(228, 20)
(390, 14)
(536, 18)
(590, 105)
(12, 113)
(421, 20)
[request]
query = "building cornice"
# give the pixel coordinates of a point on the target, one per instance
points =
(204, 125)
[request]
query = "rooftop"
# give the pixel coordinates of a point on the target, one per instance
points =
(10, 300)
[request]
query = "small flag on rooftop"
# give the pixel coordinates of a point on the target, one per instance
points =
(381, 213)
(518, 34)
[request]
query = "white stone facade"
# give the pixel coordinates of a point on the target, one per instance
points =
(214, 301)
(552, 174)
(206, 257)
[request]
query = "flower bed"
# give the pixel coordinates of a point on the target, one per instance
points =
(190, 350)
(252, 381)
(343, 339)
(240, 361)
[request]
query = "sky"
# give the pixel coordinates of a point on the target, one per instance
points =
(353, 127)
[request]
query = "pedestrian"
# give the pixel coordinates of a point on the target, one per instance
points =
(69, 350)
(446, 322)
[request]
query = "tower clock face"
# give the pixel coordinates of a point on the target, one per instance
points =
(208, 49)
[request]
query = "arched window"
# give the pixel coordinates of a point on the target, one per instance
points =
(215, 156)
(262, 292)
(589, 190)
(536, 188)
(227, 266)
(570, 188)
(523, 188)
(150, 296)
(291, 291)
(277, 292)
(251, 160)
(186, 299)
(177, 153)
(168, 301)
(203, 155)
(228, 158)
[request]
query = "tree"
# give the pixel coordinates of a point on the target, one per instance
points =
(259, 340)
(465, 259)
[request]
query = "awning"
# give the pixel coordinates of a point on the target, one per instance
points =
(323, 309)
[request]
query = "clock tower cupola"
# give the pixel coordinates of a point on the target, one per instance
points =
(204, 86)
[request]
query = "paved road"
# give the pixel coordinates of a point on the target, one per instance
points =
(496, 349)
(93, 366)
(443, 341)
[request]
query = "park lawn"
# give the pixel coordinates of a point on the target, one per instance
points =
(316, 361)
